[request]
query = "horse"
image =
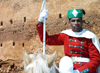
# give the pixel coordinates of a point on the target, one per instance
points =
(39, 63)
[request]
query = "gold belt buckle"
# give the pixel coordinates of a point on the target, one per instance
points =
(74, 59)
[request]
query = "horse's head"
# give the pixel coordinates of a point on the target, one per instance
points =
(38, 64)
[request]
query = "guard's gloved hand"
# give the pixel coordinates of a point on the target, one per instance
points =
(43, 14)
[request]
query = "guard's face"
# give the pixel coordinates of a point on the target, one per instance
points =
(76, 24)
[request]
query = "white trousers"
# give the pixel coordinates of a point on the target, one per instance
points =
(66, 65)
(98, 69)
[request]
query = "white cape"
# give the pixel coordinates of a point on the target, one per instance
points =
(86, 34)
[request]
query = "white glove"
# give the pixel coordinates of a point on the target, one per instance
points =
(43, 14)
(76, 71)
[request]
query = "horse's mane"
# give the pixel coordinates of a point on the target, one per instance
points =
(39, 64)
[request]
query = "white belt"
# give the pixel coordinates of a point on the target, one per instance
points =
(80, 59)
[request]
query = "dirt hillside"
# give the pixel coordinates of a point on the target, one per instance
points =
(18, 19)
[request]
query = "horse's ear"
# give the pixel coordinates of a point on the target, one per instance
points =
(51, 60)
(26, 57)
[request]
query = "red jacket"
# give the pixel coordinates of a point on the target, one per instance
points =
(80, 47)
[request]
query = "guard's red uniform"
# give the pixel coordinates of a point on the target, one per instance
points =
(80, 47)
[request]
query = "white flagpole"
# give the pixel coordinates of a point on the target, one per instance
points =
(44, 28)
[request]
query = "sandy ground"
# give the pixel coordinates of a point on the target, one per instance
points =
(18, 19)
